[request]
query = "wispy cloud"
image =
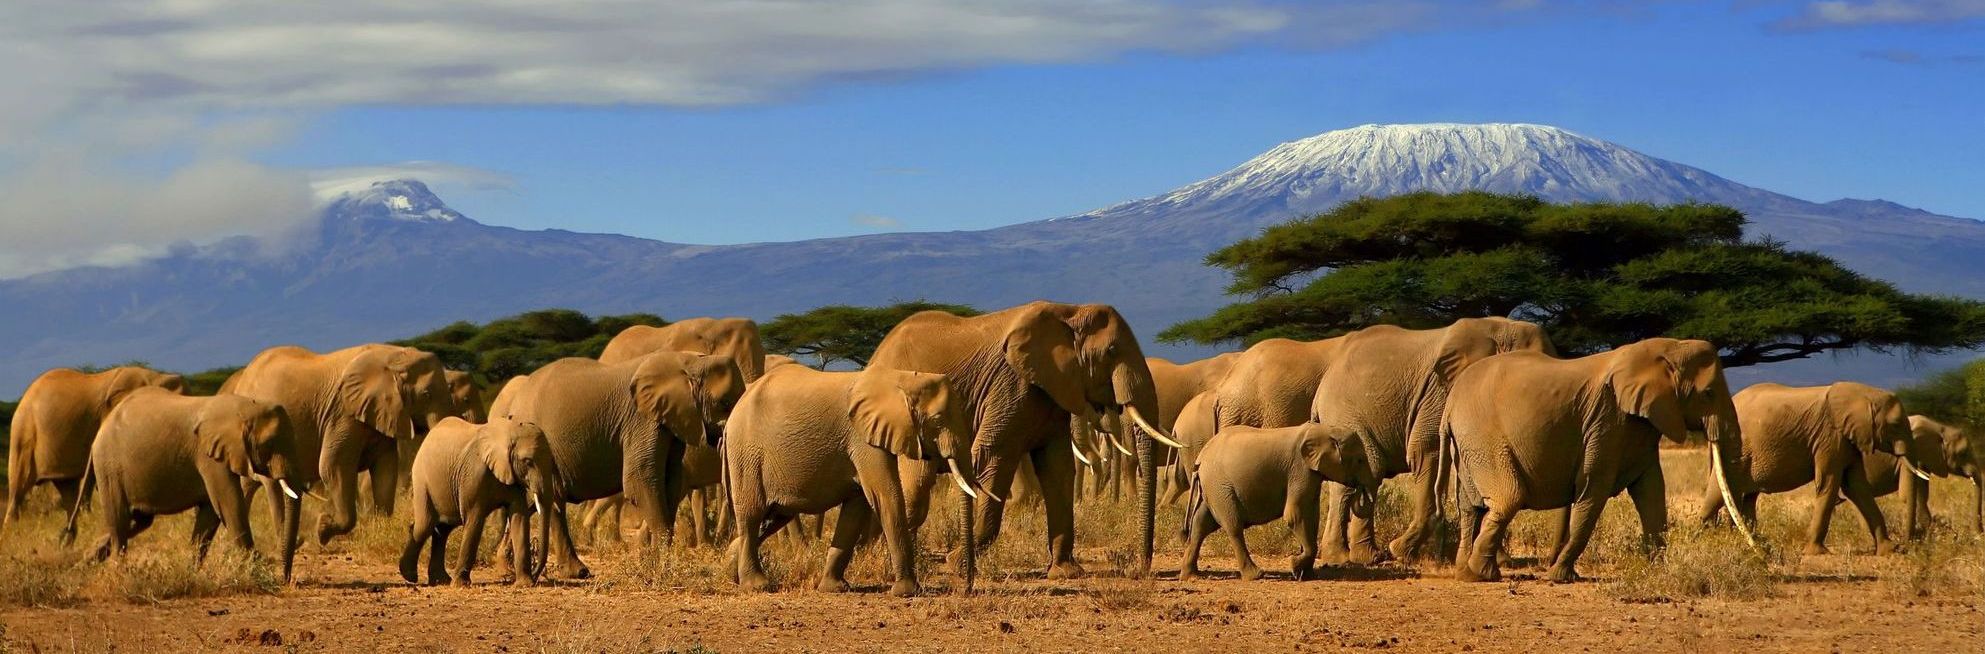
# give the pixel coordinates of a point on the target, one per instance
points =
(873, 221)
(329, 183)
(1861, 13)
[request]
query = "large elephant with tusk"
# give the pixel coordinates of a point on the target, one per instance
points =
(1531, 432)
(1826, 436)
(1022, 374)
(1936, 449)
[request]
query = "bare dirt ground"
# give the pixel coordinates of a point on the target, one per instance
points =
(1699, 597)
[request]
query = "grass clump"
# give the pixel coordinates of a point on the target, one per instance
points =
(1697, 563)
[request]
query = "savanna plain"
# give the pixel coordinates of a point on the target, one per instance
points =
(1707, 591)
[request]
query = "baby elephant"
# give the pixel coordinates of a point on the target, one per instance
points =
(160, 453)
(1250, 476)
(465, 471)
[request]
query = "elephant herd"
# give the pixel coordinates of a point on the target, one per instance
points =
(1482, 414)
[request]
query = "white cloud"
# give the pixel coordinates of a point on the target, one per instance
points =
(329, 183)
(1856, 13)
(874, 221)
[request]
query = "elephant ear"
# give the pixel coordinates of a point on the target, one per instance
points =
(1322, 448)
(1855, 415)
(1646, 384)
(1465, 343)
(665, 390)
(496, 453)
(225, 439)
(1042, 350)
(373, 391)
(884, 414)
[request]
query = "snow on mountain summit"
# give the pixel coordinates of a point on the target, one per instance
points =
(392, 199)
(1313, 174)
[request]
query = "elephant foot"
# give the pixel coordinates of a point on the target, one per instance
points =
(1815, 549)
(905, 588)
(832, 585)
(323, 532)
(1365, 554)
(1066, 570)
(573, 569)
(1562, 574)
(1303, 569)
(754, 582)
(438, 579)
(522, 581)
(1333, 555)
(1475, 570)
(1887, 547)
(1189, 573)
(462, 580)
(410, 571)
(1250, 573)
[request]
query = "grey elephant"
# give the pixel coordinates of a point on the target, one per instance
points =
(1251, 476)
(1177, 384)
(465, 472)
(465, 401)
(804, 441)
(57, 420)
(1390, 386)
(624, 427)
(1819, 435)
(1533, 432)
(1023, 374)
(161, 453)
(350, 409)
(1935, 449)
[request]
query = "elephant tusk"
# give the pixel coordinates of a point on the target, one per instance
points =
(1153, 431)
(1118, 444)
(291, 492)
(537, 506)
(1729, 498)
(1078, 454)
(1906, 463)
(959, 478)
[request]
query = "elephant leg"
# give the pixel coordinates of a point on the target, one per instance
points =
(1336, 546)
(1650, 500)
(1584, 517)
(848, 529)
(465, 562)
(1480, 564)
(116, 521)
(519, 521)
(66, 491)
(1243, 560)
(339, 470)
(1305, 512)
(20, 477)
(1200, 523)
(1825, 489)
(1560, 521)
(1468, 524)
(417, 536)
(384, 471)
(1412, 543)
(919, 480)
(1712, 502)
(1364, 544)
(1915, 513)
(1056, 466)
(1862, 496)
(437, 555)
(1747, 506)
(562, 547)
(877, 471)
(699, 516)
(750, 570)
(205, 524)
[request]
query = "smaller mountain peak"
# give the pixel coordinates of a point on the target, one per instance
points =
(390, 199)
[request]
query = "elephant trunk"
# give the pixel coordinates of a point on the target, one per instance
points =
(292, 518)
(1147, 494)
(1138, 396)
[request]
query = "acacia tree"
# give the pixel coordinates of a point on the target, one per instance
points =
(1595, 275)
(841, 332)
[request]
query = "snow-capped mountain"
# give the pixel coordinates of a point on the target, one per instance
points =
(391, 259)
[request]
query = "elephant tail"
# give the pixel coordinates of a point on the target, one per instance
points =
(1446, 471)
(82, 497)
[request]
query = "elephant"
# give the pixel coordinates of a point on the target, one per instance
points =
(1273, 383)
(1936, 449)
(775, 360)
(161, 453)
(1389, 386)
(1177, 384)
(624, 426)
(466, 402)
(736, 338)
(1533, 432)
(56, 421)
(1794, 436)
(464, 472)
(804, 441)
(350, 409)
(1023, 373)
(1252, 476)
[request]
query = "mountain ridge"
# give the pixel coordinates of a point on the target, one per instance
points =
(381, 268)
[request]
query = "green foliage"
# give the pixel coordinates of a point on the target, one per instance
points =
(519, 344)
(1595, 275)
(841, 332)
(207, 382)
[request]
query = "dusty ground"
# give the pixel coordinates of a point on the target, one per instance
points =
(350, 599)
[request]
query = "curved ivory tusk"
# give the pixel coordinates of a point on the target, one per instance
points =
(291, 492)
(1906, 463)
(959, 478)
(1729, 499)
(536, 505)
(1148, 429)
(1077, 449)
(1118, 444)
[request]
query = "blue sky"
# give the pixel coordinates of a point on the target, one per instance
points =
(908, 121)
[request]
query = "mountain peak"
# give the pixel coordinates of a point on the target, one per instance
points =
(390, 199)
(1313, 174)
